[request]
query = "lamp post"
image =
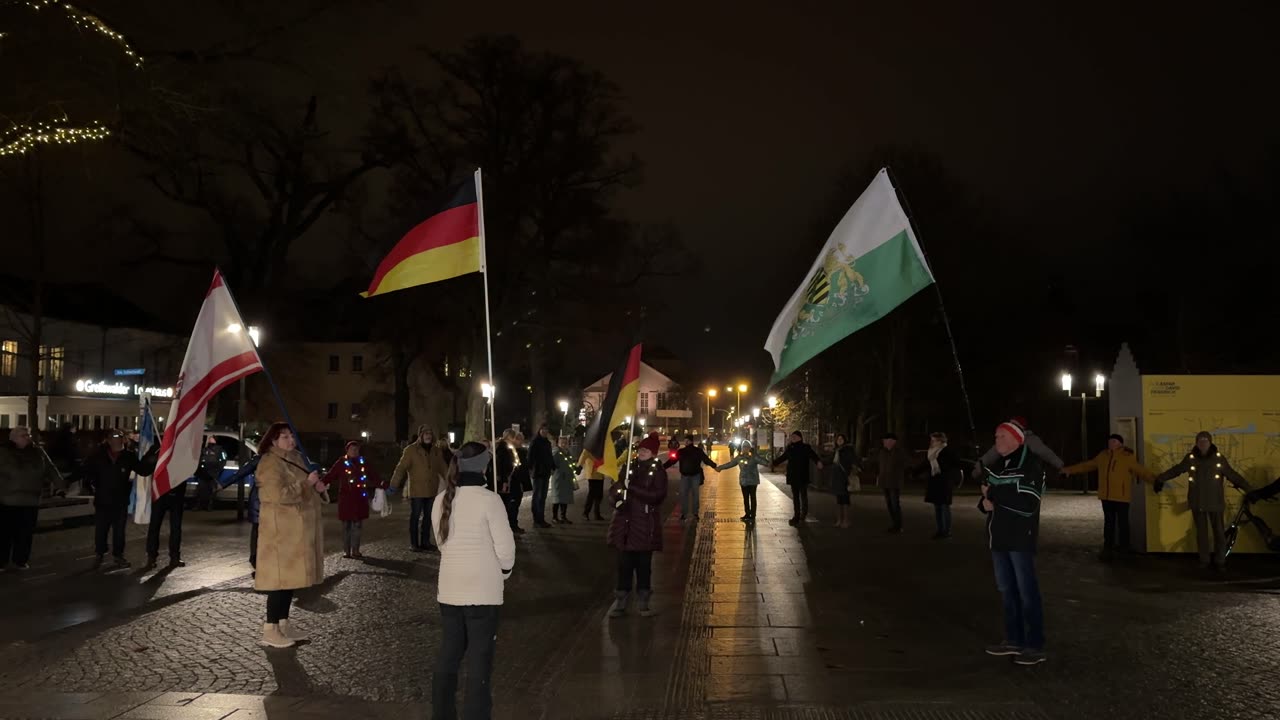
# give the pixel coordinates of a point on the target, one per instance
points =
(1099, 382)
(488, 391)
(772, 402)
(742, 387)
(711, 392)
(564, 415)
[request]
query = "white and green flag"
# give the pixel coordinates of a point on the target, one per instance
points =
(870, 265)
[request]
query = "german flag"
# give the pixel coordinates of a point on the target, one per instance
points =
(598, 452)
(443, 246)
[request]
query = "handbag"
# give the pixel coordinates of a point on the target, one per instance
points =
(379, 502)
(855, 484)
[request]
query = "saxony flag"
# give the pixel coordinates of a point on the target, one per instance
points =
(870, 265)
(443, 246)
(598, 451)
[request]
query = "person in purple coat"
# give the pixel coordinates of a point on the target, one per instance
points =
(636, 529)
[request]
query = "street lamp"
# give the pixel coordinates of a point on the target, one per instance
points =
(1099, 382)
(742, 387)
(773, 401)
(711, 392)
(564, 415)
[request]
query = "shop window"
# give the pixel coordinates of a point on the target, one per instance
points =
(9, 358)
(335, 363)
(357, 363)
(333, 411)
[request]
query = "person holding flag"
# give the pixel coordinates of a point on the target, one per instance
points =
(107, 472)
(171, 503)
(636, 529)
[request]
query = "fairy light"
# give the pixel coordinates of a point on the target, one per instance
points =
(21, 139)
(91, 22)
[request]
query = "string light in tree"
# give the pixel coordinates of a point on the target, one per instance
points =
(91, 22)
(21, 139)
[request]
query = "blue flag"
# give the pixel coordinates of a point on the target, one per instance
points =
(147, 429)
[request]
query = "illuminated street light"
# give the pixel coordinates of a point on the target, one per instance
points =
(1066, 383)
(755, 412)
(742, 388)
(255, 334)
(773, 401)
(488, 391)
(564, 406)
(1098, 382)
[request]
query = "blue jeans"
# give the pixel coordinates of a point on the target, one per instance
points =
(690, 485)
(469, 631)
(1020, 590)
(420, 522)
(541, 485)
(942, 516)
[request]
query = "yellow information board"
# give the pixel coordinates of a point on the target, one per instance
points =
(1243, 414)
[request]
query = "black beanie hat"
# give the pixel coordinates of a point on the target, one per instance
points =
(1117, 437)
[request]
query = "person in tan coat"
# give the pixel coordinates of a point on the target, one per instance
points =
(291, 532)
(423, 466)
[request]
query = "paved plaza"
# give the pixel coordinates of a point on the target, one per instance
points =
(764, 622)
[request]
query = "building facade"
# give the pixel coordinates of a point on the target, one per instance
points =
(346, 390)
(660, 402)
(90, 377)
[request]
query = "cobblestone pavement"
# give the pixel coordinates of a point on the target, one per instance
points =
(763, 622)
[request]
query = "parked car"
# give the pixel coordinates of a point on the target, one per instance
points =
(235, 452)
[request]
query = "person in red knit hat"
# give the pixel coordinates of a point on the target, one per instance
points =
(356, 481)
(636, 529)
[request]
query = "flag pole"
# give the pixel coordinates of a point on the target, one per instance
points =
(488, 331)
(942, 306)
(275, 390)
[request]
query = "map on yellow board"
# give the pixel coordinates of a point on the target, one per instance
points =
(1243, 414)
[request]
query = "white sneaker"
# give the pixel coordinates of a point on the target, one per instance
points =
(288, 630)
(272, 637)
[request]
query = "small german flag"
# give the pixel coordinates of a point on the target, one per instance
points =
(443, 246)
(598, 451)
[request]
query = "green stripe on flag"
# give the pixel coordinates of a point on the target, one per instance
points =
(850, 294)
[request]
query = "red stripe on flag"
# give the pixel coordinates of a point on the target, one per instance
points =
(445, 228)
(192, 404)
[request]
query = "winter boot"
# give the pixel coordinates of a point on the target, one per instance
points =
(642, 603)
(619, 608)
(272, 637)
(291, 632)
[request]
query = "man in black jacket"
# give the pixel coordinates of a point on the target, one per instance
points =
(542, 458)
(691, 458)
(107, 472)
(798, 457)
(1011, 501)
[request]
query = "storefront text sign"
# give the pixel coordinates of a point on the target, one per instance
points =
(120, 389)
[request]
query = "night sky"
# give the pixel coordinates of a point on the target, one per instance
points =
(1056, 121)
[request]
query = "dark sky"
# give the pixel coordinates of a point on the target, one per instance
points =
(1057, 117)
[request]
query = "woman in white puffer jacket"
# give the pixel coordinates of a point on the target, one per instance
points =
(477, 554)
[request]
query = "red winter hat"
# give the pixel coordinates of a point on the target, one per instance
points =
(350, 443)
(650, 443)
(1013, 428)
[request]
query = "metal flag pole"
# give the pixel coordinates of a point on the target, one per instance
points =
(942, 306)
(275, 390)
(488, 331)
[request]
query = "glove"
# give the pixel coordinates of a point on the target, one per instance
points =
(1158, 487)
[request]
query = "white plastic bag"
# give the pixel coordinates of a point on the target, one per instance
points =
(141, 500)
(379, 503)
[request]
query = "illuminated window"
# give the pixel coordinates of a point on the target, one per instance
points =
(9, 358)
(644, 403)
(51, 363)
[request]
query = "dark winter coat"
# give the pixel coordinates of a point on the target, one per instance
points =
(891, 467)
(109, 477)
(246, 473)
(1206, 474)
(357, 481)
(691, 459)
(23, 474)
(542, 457)
(1015, 485)
(798, 457)
(506, 459)
(940, 488)
(844, 464)
(637, 525)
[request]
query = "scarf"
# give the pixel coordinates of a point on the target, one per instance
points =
(933, 459)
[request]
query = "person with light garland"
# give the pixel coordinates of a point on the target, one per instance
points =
(356, 481)
(636, 529)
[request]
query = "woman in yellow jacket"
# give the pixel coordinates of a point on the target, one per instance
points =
(1118, 469)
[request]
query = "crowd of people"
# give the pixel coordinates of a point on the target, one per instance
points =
(464, 505)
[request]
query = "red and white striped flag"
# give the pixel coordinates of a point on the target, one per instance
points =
(219, 354)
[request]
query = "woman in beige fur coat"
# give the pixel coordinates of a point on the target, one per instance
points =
(291, 531)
